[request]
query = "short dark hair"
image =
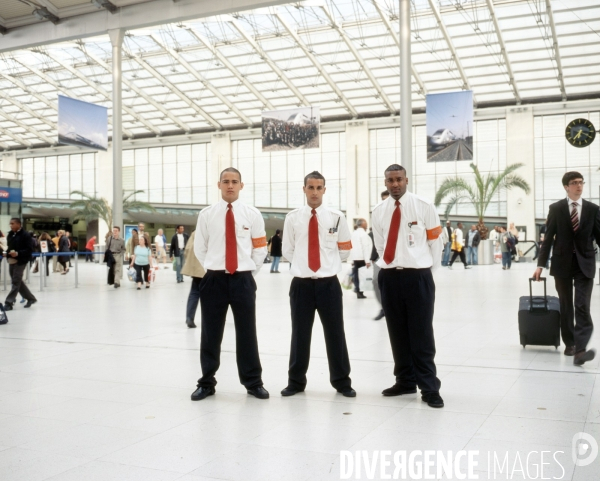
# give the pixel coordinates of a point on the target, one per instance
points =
(385, 192)
(180, 225)
(16, 219)
(278, 231)
(394, 168)
(314, 175)
(117, 227)
(230, 169)
(569, 176)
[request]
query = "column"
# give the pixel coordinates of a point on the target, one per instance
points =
(405, 90)
(220, 159)
(520, 207)
(116, 38)
(104, 187)
(357, 171)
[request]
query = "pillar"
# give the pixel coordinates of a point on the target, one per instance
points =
(116, 39)
(357, 171)
(104, 188)
(405, 90)
(520, 207)
(220, 159)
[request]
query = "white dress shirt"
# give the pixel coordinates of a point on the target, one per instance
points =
(419, 244)
(458, 236)
(180, 242)
(209, 244)
(579, 205)
(362, 246)
(334, 241)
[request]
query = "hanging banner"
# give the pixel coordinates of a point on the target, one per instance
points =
(82, 124)
(11, 194)
(290, 129)
(449, 126)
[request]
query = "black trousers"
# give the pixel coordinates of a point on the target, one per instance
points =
(577, 333)
(408, 298)
(142, 273)
(218, 291)
(355, 266)
(324, 296)
(460, 254)
(193, 298)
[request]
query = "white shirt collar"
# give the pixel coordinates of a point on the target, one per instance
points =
(224, 203)
(578, 202)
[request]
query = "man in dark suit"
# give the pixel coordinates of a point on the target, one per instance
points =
(178, 243)
(573, 223)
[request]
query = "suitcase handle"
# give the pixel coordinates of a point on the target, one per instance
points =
(531, 292)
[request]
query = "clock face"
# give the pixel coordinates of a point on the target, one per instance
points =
(580, 133)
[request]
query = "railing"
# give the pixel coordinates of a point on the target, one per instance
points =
(42, 267)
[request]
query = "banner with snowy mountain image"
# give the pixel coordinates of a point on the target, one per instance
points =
(82, 124)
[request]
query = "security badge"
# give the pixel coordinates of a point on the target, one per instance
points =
(411, 236)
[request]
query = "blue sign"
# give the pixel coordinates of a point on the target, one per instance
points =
(11, 194)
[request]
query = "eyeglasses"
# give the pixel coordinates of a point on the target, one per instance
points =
(577, 183)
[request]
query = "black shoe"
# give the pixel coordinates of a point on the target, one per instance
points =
(4, 321)
(30, 303)
(8, 307)
(433, 400)
(116, 286)
(347, 391)
(290, 391)
(360, 295)
(259, 392)
(399, 389)
(570, 351)
(202, 392)
(584, 356)
(190, 323)
(379, 316)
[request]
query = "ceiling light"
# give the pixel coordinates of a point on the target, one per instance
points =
(106, 4)
(44, 14)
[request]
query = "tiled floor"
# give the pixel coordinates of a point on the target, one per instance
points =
(95, 385)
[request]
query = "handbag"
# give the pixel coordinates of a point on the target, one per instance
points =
(347, 280)
(132, 274)
(365, 278)
(174, 263)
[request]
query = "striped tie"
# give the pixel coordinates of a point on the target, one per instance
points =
(574, 217)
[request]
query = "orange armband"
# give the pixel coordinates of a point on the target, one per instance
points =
(345, 246)
(259, 242)
(433, 234)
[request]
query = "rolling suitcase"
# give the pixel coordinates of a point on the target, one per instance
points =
(539, 319)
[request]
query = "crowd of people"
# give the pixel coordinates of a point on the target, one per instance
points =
(291, 134)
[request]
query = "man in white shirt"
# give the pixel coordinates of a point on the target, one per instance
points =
(316, 240)
(361, 253)
(159, 242)
(231, 244)
(458, 246)
(407, 235)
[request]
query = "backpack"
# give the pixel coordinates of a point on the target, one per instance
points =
(510, 242)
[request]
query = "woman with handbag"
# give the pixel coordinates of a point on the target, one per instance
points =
(458, 247)
(141, 261)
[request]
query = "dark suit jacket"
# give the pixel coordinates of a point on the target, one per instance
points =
(176, 249)
(560, 233)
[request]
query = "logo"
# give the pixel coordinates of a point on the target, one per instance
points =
(584, 449)
(4, 194)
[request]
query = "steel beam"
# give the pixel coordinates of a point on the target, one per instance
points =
(175, 90)
(405, 94)
(556, 49)
(264, 56)
(104, 93)
(381, 93)
(438, 17)
(233, 69)
(15, 137)
(204, 81)
(34, 115)
(511, 77)
(131, 85)
(392, 32)
(316, 63)
(116, 40)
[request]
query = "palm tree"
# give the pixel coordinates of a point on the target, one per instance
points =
(482, 193)
(90, 208)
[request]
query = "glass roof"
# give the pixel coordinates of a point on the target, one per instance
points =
(342, 55)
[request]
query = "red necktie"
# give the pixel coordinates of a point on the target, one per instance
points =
(231, 261)
(390, 247)
(314, 257)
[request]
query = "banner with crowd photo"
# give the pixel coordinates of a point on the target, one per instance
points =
(449, 126)
(290, 129)
(82, 124)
